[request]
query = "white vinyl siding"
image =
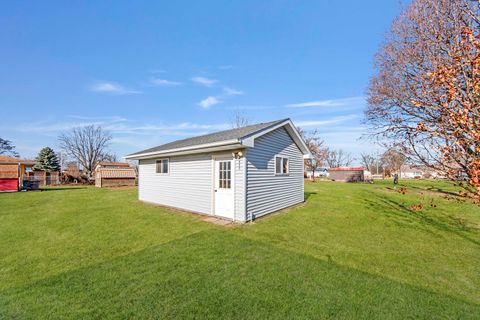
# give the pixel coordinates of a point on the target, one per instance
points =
(188, 185)
(258, 190)
(268, 192)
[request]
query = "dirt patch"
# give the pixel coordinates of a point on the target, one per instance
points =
(424, 192)
(219, 221)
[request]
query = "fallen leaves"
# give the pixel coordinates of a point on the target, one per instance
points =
(416, 207)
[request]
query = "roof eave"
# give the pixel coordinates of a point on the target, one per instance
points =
(209, 147)
(243, 142)
(18, 163)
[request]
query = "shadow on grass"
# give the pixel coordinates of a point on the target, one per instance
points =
(216, 274)
(308, 195)
(404, 216)
(442, 191)
(62, 188)
(431, 188)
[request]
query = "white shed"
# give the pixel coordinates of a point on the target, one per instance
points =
(239, 174)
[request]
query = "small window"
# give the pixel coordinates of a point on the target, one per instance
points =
(225, 175)
(162, 166)
(281, 165)
(278, 165)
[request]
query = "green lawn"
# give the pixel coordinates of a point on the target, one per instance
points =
(352, 251)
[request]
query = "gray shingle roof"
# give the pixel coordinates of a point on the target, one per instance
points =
(232, 134)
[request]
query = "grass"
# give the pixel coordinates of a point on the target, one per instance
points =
(352, 251)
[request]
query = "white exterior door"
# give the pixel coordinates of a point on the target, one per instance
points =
(223, 193)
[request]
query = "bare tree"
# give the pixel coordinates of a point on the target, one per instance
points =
(72, 173)
(110, 157)
(425, 97)
(87, 145)
(393, 159)
(7, 148)
(368, 161)
(239, 120)
(372, 162)
(62, 160)
(134, 165)
(317, 149)
(339, 158)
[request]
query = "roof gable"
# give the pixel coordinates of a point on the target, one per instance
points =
(291, 130)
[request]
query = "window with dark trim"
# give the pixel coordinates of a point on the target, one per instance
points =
(163, 166)
(281, 165)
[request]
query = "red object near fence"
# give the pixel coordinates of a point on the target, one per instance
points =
(8, 184)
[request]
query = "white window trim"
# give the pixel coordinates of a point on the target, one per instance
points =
(275, 166)
(156, 165)
(232, 164)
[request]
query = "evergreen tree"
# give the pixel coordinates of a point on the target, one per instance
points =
(47, 160)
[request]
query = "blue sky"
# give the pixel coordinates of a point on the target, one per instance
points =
(156, 71)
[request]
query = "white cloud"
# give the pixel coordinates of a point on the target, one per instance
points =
(163, 82)
(208, 102)
(113, 88)
(213, 100)
(251, 107)
(118, 125)
(204, 81)
(331, 121)
(232, 92)
(49, 127)
(106, 118)
(128, 135)
(180, 129)
(189, 125)
(328, 103)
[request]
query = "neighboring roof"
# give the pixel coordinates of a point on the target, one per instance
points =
(116, 172)
(5, 159)
(113, 164)
(347, 169)
(238, 137)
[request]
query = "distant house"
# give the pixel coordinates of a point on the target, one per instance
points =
(429, 173)
(239, 174)
(43, 178)
(347, 174)
(410, 172)
(114, 174)
(319, 172)
(12, 172)
(420, 172)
